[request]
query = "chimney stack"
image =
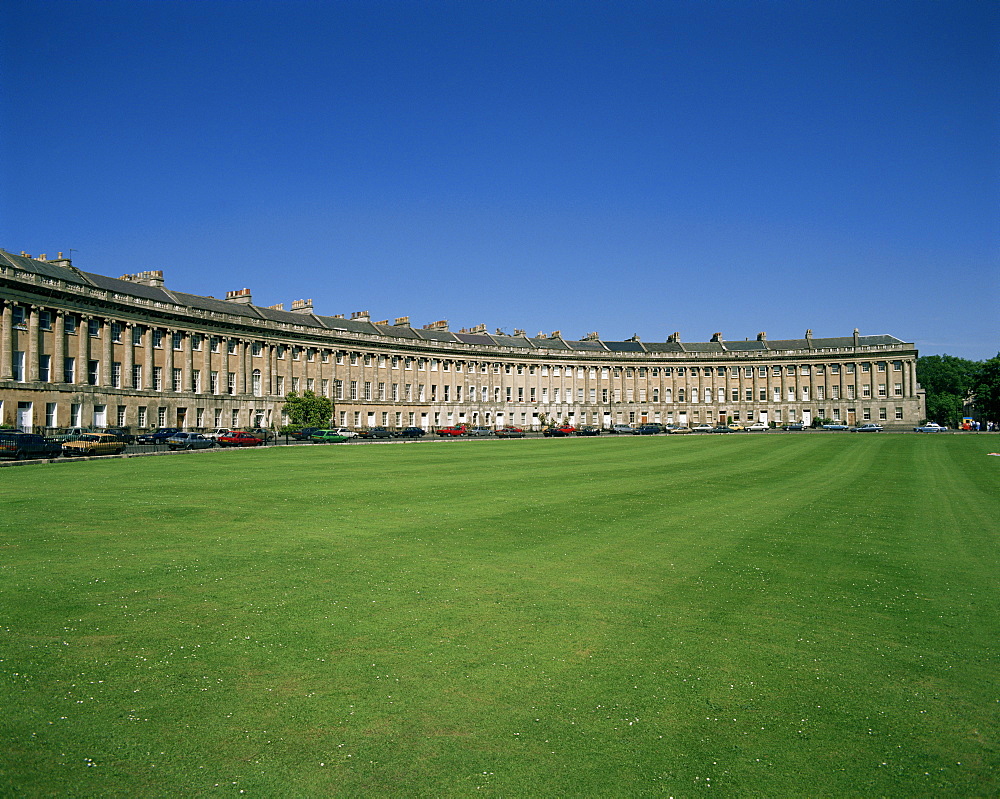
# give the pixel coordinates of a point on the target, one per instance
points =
(302, 306)
(240, 296)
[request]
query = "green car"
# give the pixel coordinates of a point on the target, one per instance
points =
(327, 437)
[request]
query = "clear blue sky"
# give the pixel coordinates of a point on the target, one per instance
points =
(624, 167)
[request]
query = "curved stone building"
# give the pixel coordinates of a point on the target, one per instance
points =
(82, 349)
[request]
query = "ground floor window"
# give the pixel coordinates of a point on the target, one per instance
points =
(50, 414)
(121, 416)
(142, 419)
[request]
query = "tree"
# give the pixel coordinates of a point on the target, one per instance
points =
(985, 387)
(947, 381)
(307, 410)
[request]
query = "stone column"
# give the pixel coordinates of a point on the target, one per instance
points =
(188, 364)
(224, 366)
(106, 353)
(241, 368)
(31, 351)
(58, 370)
(147, 359)
(266, 389)
(168, 360)
(206, 367)
(7, 341)
(129, 357)
(83, 350)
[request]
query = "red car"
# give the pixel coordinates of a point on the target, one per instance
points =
(457, 430)
(559, 431)
(509, 432)
(237, 438)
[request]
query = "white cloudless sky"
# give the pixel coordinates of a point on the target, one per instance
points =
(626, 168)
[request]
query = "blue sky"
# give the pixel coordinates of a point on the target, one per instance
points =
(620, 167)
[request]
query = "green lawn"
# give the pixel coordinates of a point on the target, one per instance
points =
(759, 614)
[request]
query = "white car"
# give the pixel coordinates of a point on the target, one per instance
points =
(702, 428)
(930, 427)
(214, 435)
(757, 427)
(344, 431)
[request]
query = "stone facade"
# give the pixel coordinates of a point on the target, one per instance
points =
(78, 348)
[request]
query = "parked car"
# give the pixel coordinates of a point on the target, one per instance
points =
(124, 433)
(794, 426)
(558, 431)
(836, 426)
(622, 428)
(479, 431)
(649, 429)
(303, 434)
(239, 438)
(71, 434)
(189, 441)
(409, 432)
(454, 431)
(723, 428)
(264, 433)
(757, 427)
(588, 430)
(510, 432)
(15, 445)
(930, 427)
(736, 427)
(870, 427)
(680, 430)
(346, 432)
(158, 436)
(328, 437)
(214, 434)
(94, 444)
(375, 432)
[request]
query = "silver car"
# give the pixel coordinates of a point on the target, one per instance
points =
(189, 441)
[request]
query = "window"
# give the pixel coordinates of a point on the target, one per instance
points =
(255, 382)
(881, 366)
(230, 382)
(866, 414)
(70, 321)
(408, 391)
(93, 327)
(45, 368)
(236, 417)
(161, 417)
(158, 339)
(69, 370)
(199, 417)
(18, 366)
(280, 385)
(45, 321)
(835, 392)
(338, 389)
(116, 375)
(311, 355)
(116, 332)
(368, 390)
(137, 331)
(897, 366)
(176, 340)
(120, 416)
(866, 390)
(899, 414)
(820, 392)
(256, 348)
(866, 367)
(325, 387)
(311, 384)
(882, 415)
(881, 389)
(137, 377)
(897, 389)
(776, 371)
(777, 393)
(791, 393)
(175, 379)
(50, 414)
(93, 372)
(354, 389)
(196, 382)
(143, 416)
(721, 395)
(297, 354)
(231, 346)
(680, 394)
(295, 384)
(214, 343)
(762, 396)
(805, 393)
(213, 384)
(196, 344)
(381, 391)
(735, 395)
(395, 392)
